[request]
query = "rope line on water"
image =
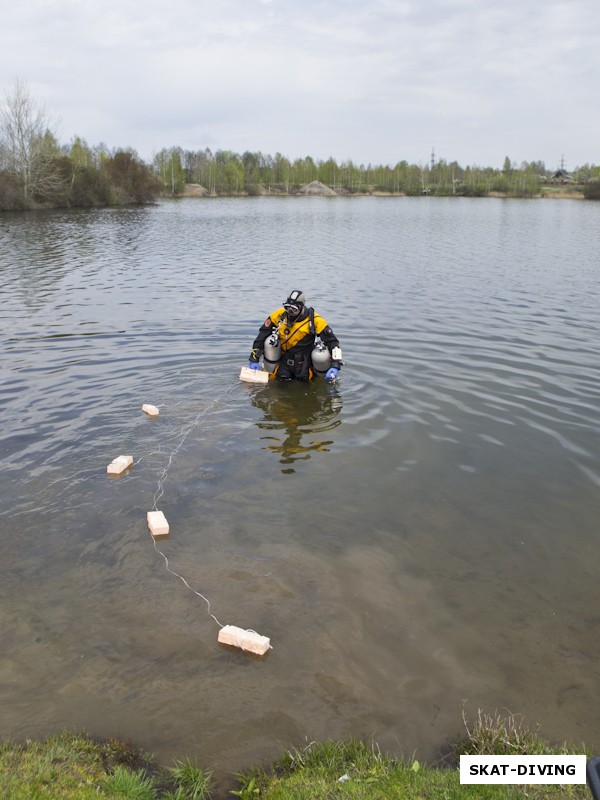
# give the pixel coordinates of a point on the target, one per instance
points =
(183, 435)
(181, 578)
(262, 643)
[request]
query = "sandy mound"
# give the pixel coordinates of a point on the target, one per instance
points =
(317, 188)
(194, 190)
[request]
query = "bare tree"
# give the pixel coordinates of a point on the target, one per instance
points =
(28, 147)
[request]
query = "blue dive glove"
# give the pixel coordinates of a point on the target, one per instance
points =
(254, 364)
(331, 374)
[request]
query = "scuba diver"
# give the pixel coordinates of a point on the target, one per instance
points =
(296, 343)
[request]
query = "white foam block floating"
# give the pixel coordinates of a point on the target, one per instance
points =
(254, 375)
(246, 640)
(157, 522)
(119, 465)
(152, 411)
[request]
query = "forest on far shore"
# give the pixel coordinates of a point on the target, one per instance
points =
(36, 171)
(228, 173)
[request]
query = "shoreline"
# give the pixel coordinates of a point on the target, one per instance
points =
(200, 192)
(83, 767)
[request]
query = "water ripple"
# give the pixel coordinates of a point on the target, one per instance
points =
(445, 487)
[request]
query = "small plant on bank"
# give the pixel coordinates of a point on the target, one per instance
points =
(249, 791)
(493, 734)
(193, 783)
(130, 785)
(334, 756)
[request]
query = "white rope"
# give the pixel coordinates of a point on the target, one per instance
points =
(181, 578)
(183, 434)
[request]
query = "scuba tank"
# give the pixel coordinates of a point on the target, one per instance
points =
(320, 357)
(272, 352)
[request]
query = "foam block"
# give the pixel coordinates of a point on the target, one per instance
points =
(119, 465)
(246, 640)
(254, 375)
(159, 527)
(152, 411)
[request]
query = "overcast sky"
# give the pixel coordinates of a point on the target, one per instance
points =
(373, 81)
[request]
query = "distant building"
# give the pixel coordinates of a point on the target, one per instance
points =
(560, 176)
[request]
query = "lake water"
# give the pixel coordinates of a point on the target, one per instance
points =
(419, 540)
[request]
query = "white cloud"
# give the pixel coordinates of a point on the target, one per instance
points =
(377, 80)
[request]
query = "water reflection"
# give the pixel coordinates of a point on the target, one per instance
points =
(298, 419)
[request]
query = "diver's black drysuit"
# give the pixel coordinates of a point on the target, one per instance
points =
(297, 338)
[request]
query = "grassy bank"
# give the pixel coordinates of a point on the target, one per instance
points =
(74, 767)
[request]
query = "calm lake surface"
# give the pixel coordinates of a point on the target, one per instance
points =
(419, 540)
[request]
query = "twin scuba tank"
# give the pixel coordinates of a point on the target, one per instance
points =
(320, 356)
(272, 352)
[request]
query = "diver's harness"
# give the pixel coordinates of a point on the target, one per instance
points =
(320, 356)
(274, 339)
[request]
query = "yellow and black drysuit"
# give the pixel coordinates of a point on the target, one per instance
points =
(297, 338)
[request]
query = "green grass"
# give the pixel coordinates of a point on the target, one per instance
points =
(73, 767)
(354, 770)
(193, 783)
(131, 785)
(494, 734)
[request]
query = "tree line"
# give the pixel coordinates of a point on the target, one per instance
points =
(36, 170)
(227, 173)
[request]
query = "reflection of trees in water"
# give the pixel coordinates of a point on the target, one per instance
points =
(39, 250)
(298, 419)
